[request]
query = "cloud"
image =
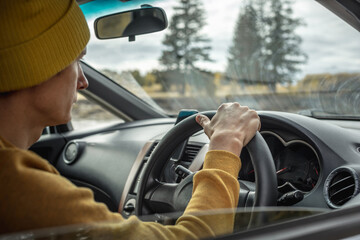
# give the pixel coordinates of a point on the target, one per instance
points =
(330, 43)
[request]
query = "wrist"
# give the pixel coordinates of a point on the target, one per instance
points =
(227, 142)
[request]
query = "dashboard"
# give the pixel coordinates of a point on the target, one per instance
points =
(317, 159)
(296, 162)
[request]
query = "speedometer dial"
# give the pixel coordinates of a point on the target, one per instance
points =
(297, 167)
(296, 162)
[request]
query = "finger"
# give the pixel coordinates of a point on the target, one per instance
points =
(202, 120)
(259, 125)
(258, 118)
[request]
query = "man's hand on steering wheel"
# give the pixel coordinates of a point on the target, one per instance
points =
(232, 127)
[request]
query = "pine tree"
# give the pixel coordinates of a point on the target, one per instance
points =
(244, 59)
(185, 45)
(265, 47)
(283, 53)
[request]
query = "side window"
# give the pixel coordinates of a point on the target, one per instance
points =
(86, 114)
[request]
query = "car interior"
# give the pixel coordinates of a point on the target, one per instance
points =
(143, 164)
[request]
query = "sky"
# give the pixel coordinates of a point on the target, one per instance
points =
(332, 46)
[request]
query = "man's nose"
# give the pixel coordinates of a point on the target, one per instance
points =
(82, 81)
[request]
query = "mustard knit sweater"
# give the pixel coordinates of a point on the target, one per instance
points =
(34, 195)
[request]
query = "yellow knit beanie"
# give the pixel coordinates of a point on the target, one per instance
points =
(38, 38)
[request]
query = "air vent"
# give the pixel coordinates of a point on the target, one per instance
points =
(191, 150)
(340, 186)
(151, 149)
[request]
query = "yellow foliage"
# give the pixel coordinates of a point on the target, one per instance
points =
(326, 81)
(217, 79)
(150, 79)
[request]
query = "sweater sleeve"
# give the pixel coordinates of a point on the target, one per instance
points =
(38, 197)
(215, 188)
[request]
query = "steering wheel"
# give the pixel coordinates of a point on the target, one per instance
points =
(155, 196)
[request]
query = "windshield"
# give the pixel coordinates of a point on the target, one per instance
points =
(292, 56)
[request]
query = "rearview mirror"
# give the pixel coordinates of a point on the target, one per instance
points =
(131, 23)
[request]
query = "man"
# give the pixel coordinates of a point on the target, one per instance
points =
(41, 44)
